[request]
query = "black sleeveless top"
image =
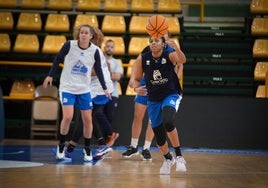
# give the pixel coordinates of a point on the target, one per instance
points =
(160, 76)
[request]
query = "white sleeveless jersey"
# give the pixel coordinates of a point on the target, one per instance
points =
(76, 73)
(96, 88)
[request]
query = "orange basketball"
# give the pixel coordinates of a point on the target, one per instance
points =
(157, 26)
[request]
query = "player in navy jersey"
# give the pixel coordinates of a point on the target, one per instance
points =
(158, 66)
(79, 57)
(140, 108)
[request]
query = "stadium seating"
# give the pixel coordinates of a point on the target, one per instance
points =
(26, 43)
(173, 25)
(129, 68)
(29, 21)
(115, 5)
(142, 6)
(57, 22)
(130, 91)
(59, 4)
(260, 93)
(8, 3)
(90, 19)
(169, 6)
(53, 43)
(6, 21)
(260, 48)
(5, 43)
(137, 24)
(32, 4)
(260, 71)
(259, 7)
(88, 5)
(137, 44)
(113, 24)
(259, 27)
(119, 44)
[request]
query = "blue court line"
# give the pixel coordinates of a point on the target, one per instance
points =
(45, 155)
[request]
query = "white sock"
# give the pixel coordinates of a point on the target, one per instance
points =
(134, 142)
(147, 145)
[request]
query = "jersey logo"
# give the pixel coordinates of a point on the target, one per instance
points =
(163, 61)
(79, 68)
(157, 78)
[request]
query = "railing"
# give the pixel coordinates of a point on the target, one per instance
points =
(200, 3)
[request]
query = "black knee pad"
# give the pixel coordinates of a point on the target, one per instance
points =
(160, 135)
(168, 118)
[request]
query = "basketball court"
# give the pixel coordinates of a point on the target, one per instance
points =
(29, 163)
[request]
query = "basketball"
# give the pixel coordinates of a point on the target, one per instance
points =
(157, 26)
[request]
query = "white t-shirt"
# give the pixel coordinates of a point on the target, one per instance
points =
(116, 67)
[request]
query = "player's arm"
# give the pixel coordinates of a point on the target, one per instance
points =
(136, 73)
(181, 55)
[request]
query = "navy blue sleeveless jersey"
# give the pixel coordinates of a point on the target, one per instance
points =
(161, 78)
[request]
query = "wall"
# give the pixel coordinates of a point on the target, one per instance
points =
(209, 122)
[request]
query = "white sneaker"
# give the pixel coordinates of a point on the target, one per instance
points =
(60, 155)
(87, 158)
(166, 167)
(180, 164)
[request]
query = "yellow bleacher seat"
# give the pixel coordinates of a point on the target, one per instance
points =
(59, 4)
(29, 21)
(113, 24)
(169, 6)
(130, 91)
(89, 19)
(33, 4)
(88, 5)
(260, 93)
(53, 43)
(57, 22)
(6, 20)
(8, 3)
(137, 24)
(259, 26)
(119, 44)
(142, 6)
(115, 5)
(260, 48)
(137, 44)
(260, 71)
(173, 25)
(27, 43)
(5, 44)
(129, 68)
(118, 85)
(259, 6)
(22, 89)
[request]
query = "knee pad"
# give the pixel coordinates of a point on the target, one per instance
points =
(168, 118)
(160, 135)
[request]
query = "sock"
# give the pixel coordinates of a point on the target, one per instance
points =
(178, 151)
(70, 148)
(147, 145)
(87, 149)
(134, 142)
(62, 142)
(168, 156)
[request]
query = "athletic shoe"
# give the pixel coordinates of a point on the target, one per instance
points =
(180, 164)
(87, 157)
(146, 155)
(102, 150)
(130, 151)
(166, 167)
(60, 155)
(112, 138)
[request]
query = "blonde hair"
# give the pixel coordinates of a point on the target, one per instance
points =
(97, 37)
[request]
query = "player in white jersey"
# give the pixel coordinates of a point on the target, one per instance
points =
(79, 57)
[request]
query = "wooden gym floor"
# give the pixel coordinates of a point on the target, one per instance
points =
(31, 163)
